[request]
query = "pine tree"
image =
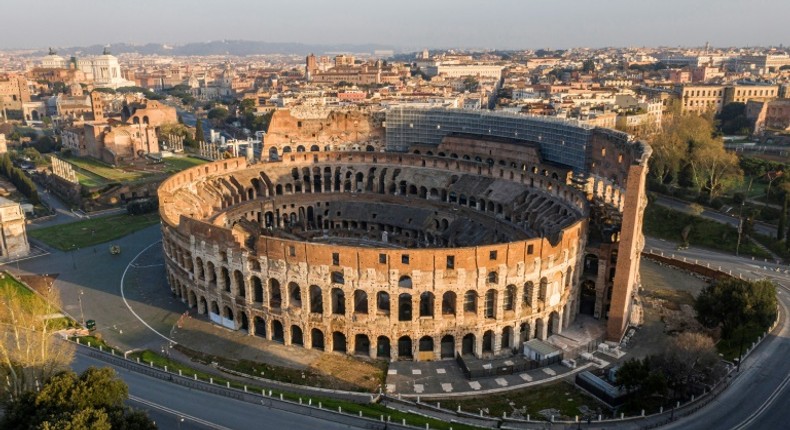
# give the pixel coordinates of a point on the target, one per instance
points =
(199, 131)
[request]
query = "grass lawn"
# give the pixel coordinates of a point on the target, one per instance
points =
(668, 224)
(562, 396)
(105, 171)
(8, 282)
(90, 180)
(177, 164)
(93, 231)
(730, 348)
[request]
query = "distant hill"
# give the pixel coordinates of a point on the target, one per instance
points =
(219, 47)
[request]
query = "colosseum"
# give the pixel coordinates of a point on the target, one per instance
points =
(435, 232)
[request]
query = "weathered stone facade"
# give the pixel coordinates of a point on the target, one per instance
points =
(404, 255)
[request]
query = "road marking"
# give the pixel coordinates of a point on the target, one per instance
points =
(447, 387)
(126, 302)
(745, 423)
(151, 404)
(419, 388)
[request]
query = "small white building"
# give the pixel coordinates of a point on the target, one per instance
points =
(13, 240)
(539, 350)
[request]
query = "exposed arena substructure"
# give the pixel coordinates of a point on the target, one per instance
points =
(471, 245)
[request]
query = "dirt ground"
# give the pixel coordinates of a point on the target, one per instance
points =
(667, 297)
(197, 333)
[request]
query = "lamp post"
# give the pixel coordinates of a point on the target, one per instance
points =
(82, 314)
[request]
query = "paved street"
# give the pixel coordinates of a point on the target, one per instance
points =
(166, 403)
(731, 219)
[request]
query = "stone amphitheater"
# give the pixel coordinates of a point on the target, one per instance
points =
(429, 234)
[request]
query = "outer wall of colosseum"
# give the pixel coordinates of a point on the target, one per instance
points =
(265, 248)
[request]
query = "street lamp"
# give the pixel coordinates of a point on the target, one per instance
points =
(82, 314)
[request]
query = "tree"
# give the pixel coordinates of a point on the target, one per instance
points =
(689, 360)
(30, 350)
(715, 170)
(780, 229)
(92, 400)
(732, 119)
(588, 66)
(199, 131)
(732, 303)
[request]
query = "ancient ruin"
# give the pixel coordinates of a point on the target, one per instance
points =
(468, 233)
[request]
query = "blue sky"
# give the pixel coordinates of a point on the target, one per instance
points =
(413, 24)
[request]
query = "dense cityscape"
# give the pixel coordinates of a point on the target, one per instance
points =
(242, 234)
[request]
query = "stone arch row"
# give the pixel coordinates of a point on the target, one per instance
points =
(270, 294)
(491, 162)
(534, 177)
(443, 345)
(227, 190)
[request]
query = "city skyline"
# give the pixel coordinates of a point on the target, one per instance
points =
(412, 25)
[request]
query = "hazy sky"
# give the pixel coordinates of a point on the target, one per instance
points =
(403, 23)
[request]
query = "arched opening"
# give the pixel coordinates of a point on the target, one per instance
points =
(257, 289)
(361, 345)
(275, 297)
(493, 277)
(508, 304)
(383, 303)
(318, 339)
(490, 304)
(316, 300)
(425, 344)
(587, 298)
(468, 344)
(227, 313)
(296, 335)
(404, 282)
(426, 304)
(238, 277)
(448, 346)
(591, 264)
(507, 337)
(470, 302)
(405, 348)
(338, 342)
(338, 278)
(277, 331)
(338, 298)
(245, 323)
(294, 295)
(448, 303)
(202, 305)
(225, 279)
(488, 341)
(528, 297)
(383, 347)
(260, 326)
(360, 302)
(404, 307)
(214, 308)
(192, 301)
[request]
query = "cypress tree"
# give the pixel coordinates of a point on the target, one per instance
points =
(199, 131)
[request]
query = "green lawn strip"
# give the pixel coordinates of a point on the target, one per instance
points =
(369, 410)
(731, 347)
(776, 246)
(8, 282)
(177, 164)
(96, 342)
(93, 231)
(105, 171)
(90, 180)
(562, 396)
(665, 223)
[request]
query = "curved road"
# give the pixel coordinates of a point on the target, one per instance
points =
(168, 403)
(758, 397)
